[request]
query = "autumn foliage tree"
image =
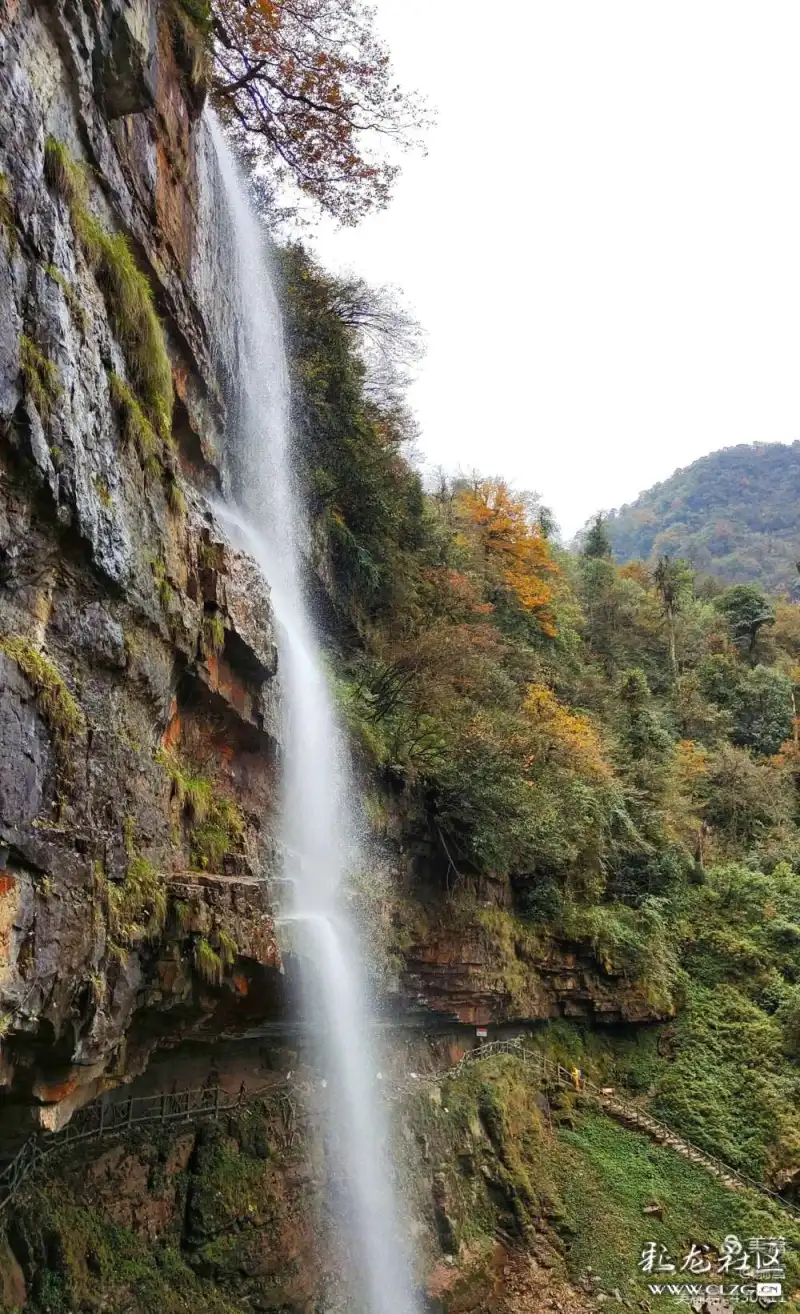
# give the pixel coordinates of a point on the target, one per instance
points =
(516, 554)
(311, 84)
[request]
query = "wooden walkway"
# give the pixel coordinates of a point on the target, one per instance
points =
(105, 1118)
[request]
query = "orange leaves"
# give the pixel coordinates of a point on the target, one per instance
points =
(455, 595)
(516, 555)
(563, 738)
(638, 572)
(312, 84)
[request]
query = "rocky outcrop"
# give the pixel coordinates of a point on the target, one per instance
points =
(476, 977)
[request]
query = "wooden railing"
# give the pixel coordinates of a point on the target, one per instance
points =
(104, 1117)
(626, 1110)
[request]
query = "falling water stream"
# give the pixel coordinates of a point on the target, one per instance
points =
(318, 834)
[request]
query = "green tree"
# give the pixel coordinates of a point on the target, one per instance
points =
(747, 611)
(741, 797)
(674, 580)
(597, 542)
(621, 618)
(762, 710)
(759, 701)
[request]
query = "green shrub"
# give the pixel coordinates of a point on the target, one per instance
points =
(227, 946)
(63, 174)
(163, 586)
(635, 942)
(198, 797)
(207, 962)
(217, 823)
(137, 430)
(137, 908)
(213, 633)
(220, 833)
(194, 793)
(130, 302)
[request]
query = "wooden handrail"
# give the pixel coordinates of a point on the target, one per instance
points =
(103, 1118)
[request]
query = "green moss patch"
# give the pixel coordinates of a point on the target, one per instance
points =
(56, 704)
(70, 296)
(126, 290)
(90, 1263)
(42, 382)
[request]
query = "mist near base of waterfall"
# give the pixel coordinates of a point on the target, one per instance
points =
(317, 829)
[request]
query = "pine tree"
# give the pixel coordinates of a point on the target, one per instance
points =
(597, 542)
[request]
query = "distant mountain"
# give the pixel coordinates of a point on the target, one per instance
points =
(734, 514)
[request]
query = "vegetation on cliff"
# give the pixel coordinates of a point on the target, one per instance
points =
(616, 747)
(606, 755)
(127, 292)
(221, 1216)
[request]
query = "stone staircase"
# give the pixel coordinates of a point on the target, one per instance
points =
(625, 1110)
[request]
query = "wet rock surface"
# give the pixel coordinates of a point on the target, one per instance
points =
(138, 675)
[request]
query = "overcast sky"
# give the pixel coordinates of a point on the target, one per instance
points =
(603, 242)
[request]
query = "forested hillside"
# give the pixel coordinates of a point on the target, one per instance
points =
(615, 747)
(733, 514)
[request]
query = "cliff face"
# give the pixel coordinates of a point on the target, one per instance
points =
(137, 664)
(225, 1216)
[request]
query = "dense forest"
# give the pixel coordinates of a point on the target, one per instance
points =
(732, 514)
(618, 743)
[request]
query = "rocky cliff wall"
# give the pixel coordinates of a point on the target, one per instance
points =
(138, 695)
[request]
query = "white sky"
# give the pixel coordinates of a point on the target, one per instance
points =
(603, 242)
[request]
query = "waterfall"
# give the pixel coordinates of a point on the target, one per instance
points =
(317, 830)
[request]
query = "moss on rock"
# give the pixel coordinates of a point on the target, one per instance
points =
(57, 705)
(126, 290)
